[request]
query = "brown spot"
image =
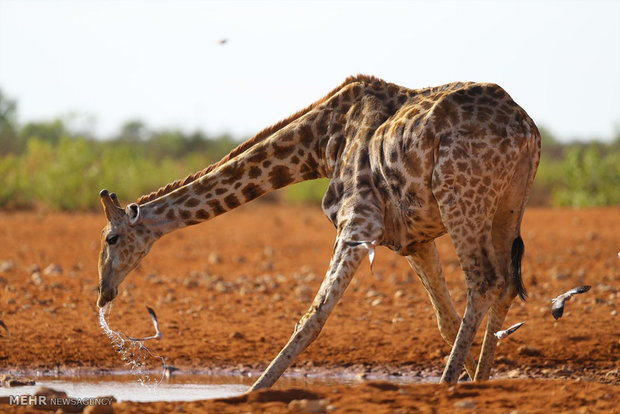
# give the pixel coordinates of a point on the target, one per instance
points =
(280, 176)
(185, 214)
(266, 164)
(192, 202)
(181, 199)
(251, 191)
(255, 172)
(231, 201)
(216, 207)
(283, 152)
(233, 172)
(170, 214)
(257, 154)
(202, 214)
(220, 191)
(160, 209)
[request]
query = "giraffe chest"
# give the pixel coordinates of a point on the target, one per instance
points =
(388, 181)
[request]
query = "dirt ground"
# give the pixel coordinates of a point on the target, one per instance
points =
(229, 292)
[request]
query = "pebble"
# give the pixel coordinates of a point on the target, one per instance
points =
(214, 258)
(465, 404)
(399, 294)
(237, 335)
(6, 265)
(312, 406)
(37, 279)
(53, 270)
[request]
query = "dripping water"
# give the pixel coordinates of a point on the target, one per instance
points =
(137, 356)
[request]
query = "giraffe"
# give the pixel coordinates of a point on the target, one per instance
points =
(405, 167)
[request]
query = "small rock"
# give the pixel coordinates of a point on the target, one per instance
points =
(222, 286)
(529, 350)
(465, 404)
(53, 270)
(6, 265)
(514, 373)
(312, 406)
(399, 294)
(214, 258)
(372, 293)
(237, 335)
(37, 279)
(376, 302)
(269, 251)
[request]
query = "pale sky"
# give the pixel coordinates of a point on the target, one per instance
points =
(161, 61)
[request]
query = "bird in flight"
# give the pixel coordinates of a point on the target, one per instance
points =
(558, 303)
(158, 334)
(503, 334)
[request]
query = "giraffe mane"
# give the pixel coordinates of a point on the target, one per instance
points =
(244, 146)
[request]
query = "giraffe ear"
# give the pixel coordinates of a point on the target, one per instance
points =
(133, 212)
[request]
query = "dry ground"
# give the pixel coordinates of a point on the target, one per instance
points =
(229, 292)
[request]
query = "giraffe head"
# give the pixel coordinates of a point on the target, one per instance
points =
(124, 242)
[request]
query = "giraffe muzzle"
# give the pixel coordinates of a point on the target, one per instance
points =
(106, 296)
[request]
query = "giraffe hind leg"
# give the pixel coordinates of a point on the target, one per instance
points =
(425, 262)
(509, 250)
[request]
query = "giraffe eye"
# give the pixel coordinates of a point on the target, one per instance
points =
(112, 239)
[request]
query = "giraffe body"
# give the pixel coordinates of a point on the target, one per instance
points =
(405, 167)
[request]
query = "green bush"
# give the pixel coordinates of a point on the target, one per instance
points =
(45, 164)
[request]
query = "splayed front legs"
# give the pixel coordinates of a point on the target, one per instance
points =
(344, 263)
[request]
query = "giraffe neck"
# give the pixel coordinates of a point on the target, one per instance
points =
(304, 149)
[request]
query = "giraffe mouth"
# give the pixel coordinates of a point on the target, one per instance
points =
(106, 296)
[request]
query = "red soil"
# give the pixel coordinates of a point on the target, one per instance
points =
(228, 294)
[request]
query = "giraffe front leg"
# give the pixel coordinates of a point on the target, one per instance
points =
(344, 263)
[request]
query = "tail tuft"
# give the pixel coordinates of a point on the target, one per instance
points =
(517, 254)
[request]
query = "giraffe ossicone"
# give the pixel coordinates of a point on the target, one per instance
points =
(405, 167)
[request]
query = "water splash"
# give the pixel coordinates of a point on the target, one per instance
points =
(137, 356)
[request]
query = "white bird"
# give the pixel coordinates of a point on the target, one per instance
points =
(370, 245)
(503, 334)
(558, 303)
(158, 334)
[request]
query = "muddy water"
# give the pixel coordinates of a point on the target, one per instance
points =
(126, 387)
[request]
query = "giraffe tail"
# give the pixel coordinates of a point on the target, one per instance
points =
(518, 248)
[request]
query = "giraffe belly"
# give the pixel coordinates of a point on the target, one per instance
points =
(410, 221)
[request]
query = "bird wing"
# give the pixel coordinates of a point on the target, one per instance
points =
(580, 289)
(154, 318)
(558, 307)
(514, 327)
